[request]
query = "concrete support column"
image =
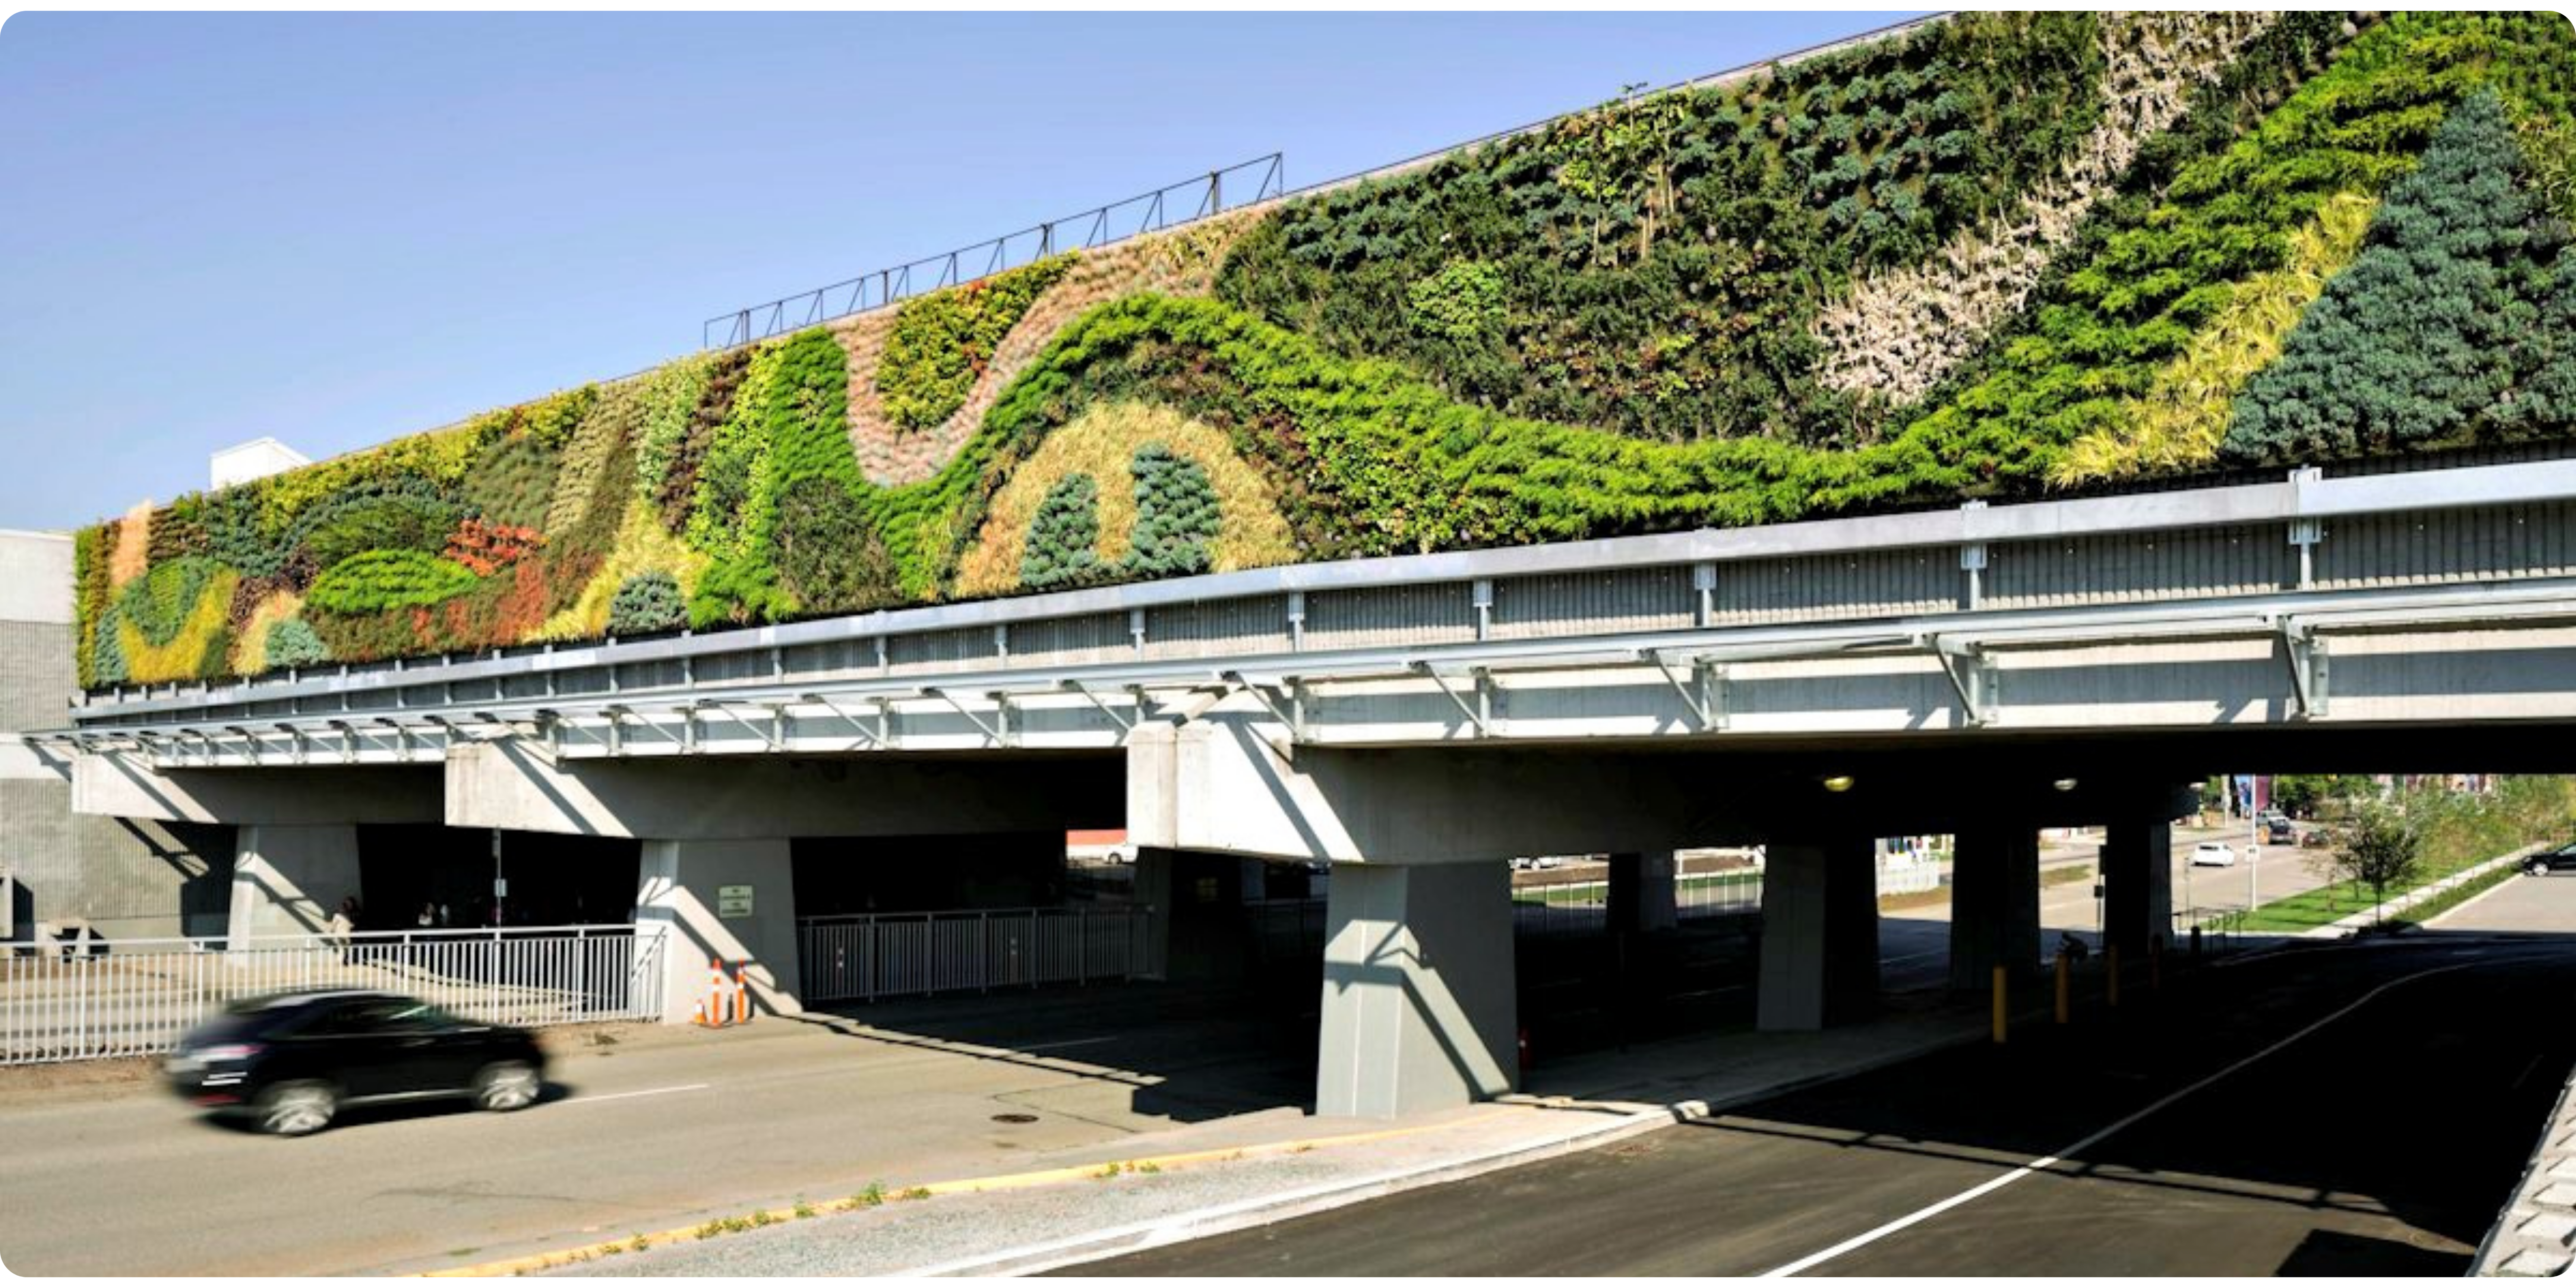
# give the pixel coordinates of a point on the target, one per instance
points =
(1819, 933)
(1994, 904)
(1419, 1011)
(1641, 891)
(2137, 875)
(679, 892)
(288, 880)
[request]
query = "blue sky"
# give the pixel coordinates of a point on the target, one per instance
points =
(339, 229)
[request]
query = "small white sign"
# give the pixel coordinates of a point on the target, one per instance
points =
(500, 887)
(733, 901)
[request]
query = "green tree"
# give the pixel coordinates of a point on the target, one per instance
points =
(1064, 537)
(2308, 794)
(2385, 849)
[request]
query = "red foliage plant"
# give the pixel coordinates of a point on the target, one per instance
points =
(487, 548)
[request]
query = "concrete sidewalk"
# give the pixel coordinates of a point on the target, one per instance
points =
(1079, 1204)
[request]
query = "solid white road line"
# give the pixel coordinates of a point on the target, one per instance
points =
(1859, 1241)
(628, 1095)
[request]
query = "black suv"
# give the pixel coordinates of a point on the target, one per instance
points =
(2562, 859)
(291, 1060)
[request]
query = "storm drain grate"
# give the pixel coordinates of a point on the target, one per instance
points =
(1015, 1118)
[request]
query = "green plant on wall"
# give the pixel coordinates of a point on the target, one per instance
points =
(1176, 515)
(293, 643)
(1064, 540)
(943, 340)
(2428, 333)
(383, 579)
(647, 602)
(1605, 326)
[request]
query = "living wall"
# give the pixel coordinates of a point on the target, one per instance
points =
(1990, 256)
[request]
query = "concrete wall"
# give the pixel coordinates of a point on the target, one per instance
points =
(513, 787)
(679, 892)
(118, 786)
(121, 878)
(287, 880)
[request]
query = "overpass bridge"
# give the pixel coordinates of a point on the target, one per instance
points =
(1418, 720)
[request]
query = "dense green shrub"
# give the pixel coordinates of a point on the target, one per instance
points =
(829, 556)
(647, 602)
(1176, 515)
(1658, 259)
(2425, 338)
(292, 643)
(1064, 540)
(393, 514)
(738, 593)
(942, 341)
(386, 579)
(512, 482)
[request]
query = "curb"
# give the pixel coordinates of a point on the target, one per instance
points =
(905, 1193)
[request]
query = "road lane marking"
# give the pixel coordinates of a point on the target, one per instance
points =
(628, 1095)
(1920, 1215)
(1058, 1046)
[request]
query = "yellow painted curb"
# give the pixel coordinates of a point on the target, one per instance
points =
(900, 1193)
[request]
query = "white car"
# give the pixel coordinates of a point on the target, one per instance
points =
(2213, 854)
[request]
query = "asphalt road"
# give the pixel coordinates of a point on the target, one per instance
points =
(2342, 1110)
(650, 1134)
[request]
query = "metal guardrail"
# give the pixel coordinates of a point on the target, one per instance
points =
(1170, 206)
(868, 956)
(99, 999)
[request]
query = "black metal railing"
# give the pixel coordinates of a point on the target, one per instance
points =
(1231, 188)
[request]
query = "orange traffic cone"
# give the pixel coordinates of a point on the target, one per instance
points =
(741, 996)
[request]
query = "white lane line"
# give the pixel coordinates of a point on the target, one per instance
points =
(1859, 1241)
(626, 1095)
(1058, 1046)
(1890, 961)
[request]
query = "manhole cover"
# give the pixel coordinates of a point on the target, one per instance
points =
(1015, 1118)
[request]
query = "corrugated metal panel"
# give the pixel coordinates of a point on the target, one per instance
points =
(1879, 583)
(1637, 599)
(943, 650)
(2233, 560)
(650, 675)
(584, 680)
(831, 659)
(523, 686)
(720, 668)
(1069, 641)
(2447, 546)
(1218, 628)
(1439, 613)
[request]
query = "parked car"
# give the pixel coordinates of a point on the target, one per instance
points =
(2280, 831)
(2213, 854)
(292, 1061)
(2562, 859)
(2315, 838)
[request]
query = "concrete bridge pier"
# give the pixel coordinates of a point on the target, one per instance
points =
(1819, 933)
(680, 891)
(1994, 903)
(289, 878)
(1642, 886)
(1419, 1011)
(2137, 878)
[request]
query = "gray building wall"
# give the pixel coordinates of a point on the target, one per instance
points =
(122, 879)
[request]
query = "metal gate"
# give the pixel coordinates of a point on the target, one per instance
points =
(875, 955)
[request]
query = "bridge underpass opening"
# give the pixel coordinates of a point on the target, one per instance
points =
(534, 879)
